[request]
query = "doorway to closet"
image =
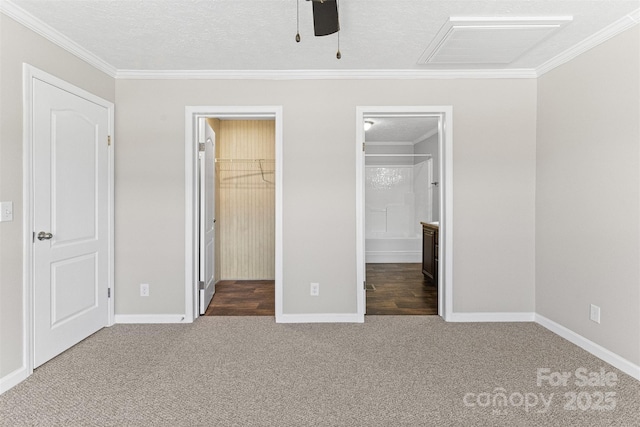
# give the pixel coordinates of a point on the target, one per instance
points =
(244, 177)
(245, 168)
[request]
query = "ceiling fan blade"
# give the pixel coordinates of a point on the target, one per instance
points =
(325, 17)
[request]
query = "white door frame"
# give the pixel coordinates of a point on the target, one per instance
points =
(30, 74)
(192, 114)
(445, 145)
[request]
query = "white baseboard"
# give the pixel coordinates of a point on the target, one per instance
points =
(597, 350)
(393, 257)
(491, 317)
(151, 318)
(14, 378)
(320, 318)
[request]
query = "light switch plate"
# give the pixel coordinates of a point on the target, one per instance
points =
(594, 313)
(6, 211)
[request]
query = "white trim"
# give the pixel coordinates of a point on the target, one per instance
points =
(27, 219)
(325, 74)
(191, 242)
(445, 246)
(321, 318)
(445, 146)
(377, 257)
(13, 379)
(361, 262)
(39, 27)
(151, 318)
(592, 41)
(597, 350)
(31, 73)
(112, 214)
(492, 317)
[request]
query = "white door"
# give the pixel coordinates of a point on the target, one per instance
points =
(207, 214)
(70, 217)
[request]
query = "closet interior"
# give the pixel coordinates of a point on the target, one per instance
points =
(245, 215)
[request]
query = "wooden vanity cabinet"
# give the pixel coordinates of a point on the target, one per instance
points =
(430, 252)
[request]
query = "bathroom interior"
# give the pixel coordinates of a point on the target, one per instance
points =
(402, 192)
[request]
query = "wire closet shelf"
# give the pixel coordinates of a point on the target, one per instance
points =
(265, 166)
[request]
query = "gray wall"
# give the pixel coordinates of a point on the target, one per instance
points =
(19, 45)
(588, 194)
(494, 182)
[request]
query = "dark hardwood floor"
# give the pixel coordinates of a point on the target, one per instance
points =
(391, 289)
(243, 298)
(400, 289)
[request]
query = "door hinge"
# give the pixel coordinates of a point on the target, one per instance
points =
(109, 140)
(201, 146)
(201, 285)
(364, 285)
(363, 146)
(108, 292)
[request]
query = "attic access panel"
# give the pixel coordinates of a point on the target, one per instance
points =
(489, 40)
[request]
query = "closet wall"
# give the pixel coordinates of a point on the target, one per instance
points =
(245, 205)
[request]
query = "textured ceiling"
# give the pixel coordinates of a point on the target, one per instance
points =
(260, 34)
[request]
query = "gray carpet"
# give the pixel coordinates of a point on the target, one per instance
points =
(390, 371)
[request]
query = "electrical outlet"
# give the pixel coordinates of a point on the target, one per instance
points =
(595, 313)
(144, 289)
(314, 289)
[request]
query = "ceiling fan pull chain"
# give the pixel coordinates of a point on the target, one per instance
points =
(338, 54)
(297, 21)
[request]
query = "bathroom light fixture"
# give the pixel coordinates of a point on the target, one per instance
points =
(367, 125)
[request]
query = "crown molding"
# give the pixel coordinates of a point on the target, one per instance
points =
(324, 74)
(16, 13)
(622, 24)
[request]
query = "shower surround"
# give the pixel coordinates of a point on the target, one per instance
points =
(398, 198)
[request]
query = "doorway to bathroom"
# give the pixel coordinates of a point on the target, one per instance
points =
(402, 166)
(400, 194)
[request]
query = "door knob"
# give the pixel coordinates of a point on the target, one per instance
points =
(44, 236)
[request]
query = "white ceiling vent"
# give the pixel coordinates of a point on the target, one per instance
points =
(467, 40)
